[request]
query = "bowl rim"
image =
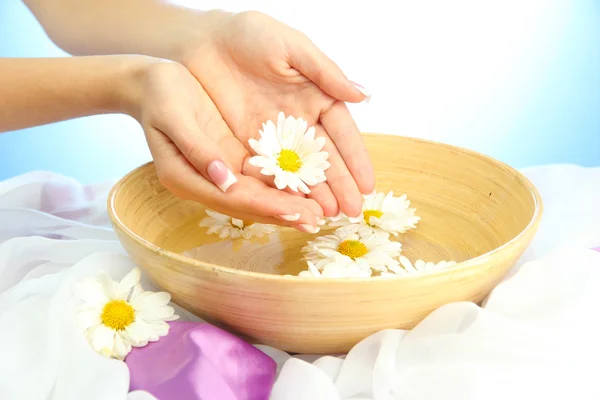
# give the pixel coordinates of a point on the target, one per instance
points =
(531, 227)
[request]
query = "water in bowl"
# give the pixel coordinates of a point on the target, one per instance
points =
(281, 253)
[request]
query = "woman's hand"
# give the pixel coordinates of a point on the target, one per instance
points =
(193, 147)
(250, 65)
(253, 67)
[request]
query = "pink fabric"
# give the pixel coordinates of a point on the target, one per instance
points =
(200, 361)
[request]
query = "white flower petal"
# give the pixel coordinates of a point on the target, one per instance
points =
(226, 227)
(137, 290)
(139, 333)
(127, 283)
(108, 285)
(121, 349)
(161, 328)
(102, 337)
(158, 313)
(150, 300)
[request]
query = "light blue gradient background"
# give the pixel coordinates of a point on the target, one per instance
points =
(558, 121)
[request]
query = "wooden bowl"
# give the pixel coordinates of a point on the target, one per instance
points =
(475, 210)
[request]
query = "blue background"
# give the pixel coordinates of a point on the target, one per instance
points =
(541, 105)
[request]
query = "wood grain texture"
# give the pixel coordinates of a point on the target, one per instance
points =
(475, 210)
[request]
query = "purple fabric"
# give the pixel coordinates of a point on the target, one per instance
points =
(198, 361)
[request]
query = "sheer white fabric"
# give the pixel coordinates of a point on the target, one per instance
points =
(536, 336)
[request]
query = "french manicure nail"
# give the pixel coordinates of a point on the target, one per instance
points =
(309, 228)
(321, 221)
(338, 217)
(369, 195)
(291, 218)
(363, 90)
(221, 175)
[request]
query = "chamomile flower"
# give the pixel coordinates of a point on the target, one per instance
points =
(228, 227)
(420, 266)
(115, 316)
(381, 212)
(348, 248)
(291, 154)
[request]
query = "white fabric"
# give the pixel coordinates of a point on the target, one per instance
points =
(536, 337)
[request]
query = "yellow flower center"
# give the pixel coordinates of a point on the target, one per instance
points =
(289, 160)
(367, 214)
(117, 314)
(352, 248)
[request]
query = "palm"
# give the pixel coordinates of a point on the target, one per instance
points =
(251, 82)
(247, 71)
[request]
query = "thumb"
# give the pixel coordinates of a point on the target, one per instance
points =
(309, 60)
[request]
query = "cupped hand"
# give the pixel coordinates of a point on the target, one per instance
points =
(198, 158)
(254, 67)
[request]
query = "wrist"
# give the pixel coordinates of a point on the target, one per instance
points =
(197, 34)
(129, 77)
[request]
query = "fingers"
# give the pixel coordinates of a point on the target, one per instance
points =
(340, 186)
(243, 200)
(310, 61)
(203, 151)
(340, 127)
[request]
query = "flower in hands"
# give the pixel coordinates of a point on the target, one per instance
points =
(291, 154)
(347, 248)
(118, 315)
(228, 227)
(382, 212)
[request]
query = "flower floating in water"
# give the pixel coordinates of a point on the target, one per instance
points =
(419, 266)
(227, 227)
(382, 212)
(347, 248)
(291, 154)
(118, 315)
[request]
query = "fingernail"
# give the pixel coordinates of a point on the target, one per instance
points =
(309, 228)
(221, 175)
(338, 217)
(291, 218)
(363, 90)
(321, 221)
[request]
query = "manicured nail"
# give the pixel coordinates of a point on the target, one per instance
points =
(309, 228)
(291, 218)
(363, 90)
(321, 221)
(221, 175)
(338, 217)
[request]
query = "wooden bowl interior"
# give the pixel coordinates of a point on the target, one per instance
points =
(469, 204)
